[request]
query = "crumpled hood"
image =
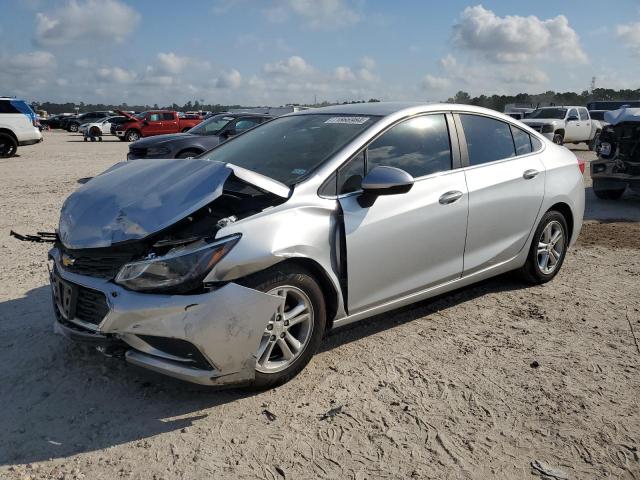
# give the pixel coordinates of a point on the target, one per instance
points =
(624, 114)
(133, 200)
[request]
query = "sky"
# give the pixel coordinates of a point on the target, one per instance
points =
(273, 52)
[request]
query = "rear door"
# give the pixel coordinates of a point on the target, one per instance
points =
(505, 178)
(170, 123)
(407, 242)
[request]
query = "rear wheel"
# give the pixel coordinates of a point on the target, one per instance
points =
(8, 146)
(295, 330)
(548, 249)
(73, 127)
(132, 135)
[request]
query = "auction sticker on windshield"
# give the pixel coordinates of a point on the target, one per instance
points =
(348, 120)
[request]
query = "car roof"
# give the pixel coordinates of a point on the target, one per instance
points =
(385, 109)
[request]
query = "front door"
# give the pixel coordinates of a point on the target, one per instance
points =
(407, 242)
(153, 125)
(573, 128)
(506, 187)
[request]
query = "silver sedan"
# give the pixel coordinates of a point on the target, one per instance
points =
(230, 268)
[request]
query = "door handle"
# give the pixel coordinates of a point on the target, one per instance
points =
(450, 197)
(529, 174)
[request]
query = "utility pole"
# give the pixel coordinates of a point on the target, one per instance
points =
(593, 85)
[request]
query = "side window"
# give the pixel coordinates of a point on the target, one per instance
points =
(535, 144)
(521, 140)
(6, 107)
(168, 116)
(154, 117)
(419, 146)
(572, 113)
(246, 123)
(350, 175)
(488, 139)
(584, 115)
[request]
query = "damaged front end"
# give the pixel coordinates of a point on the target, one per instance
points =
(618, 163)
(130, 266)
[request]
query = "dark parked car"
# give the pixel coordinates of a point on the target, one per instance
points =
(53, 121)
(72, 124)
(199, 139)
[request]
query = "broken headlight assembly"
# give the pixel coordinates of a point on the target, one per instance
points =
(180, 270)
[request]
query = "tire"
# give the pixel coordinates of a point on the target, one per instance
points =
(534, 271)
(300, 288)
(188, 154)
(73, 127)
(132, 135)
(607, 193)
(594, 141)
(558, 139)
(8, 146)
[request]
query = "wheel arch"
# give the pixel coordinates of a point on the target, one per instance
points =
(566, 212)
(559, 131)
(197, 150)
(10, 133)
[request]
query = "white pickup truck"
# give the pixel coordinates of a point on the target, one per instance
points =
(565, 125)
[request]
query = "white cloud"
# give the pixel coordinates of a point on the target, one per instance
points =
(629, 34)
(294, 66)
(344, 74)
(229, 79)
(517, 39)
(172, 63)
(81, 20)
(433, 82)
(368, 63)
(28, 62)
(317, 14)
(116, 75)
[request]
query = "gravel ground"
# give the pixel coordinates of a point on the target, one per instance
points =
(479, 383)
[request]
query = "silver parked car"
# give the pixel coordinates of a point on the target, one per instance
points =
(229, 268)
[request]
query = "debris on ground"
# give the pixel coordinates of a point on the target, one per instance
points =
(548, 472)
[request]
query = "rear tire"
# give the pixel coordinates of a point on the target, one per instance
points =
(607, 193)
(8, 146)
(299, 288)
(548, 249)
(73, 127)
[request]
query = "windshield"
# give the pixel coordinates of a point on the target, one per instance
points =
(548, 113)
(212, 126)
(288, 148)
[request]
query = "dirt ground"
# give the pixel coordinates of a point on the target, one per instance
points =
(475, 384)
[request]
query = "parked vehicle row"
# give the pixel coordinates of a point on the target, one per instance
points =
(153, 122)
(18, 126)
(229, 268)
(566, 124)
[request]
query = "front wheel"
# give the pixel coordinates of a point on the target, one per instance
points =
(132, 136)
(8, 146)
(295, 330)
(593, 144)
(548, 249)
(73, 128)
(558, 139)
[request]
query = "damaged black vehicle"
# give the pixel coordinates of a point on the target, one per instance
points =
(618, 163)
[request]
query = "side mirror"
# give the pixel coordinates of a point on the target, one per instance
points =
(572, 118)
(145, 123)
(384, 181)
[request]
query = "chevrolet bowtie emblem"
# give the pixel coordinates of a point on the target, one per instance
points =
(67, 261)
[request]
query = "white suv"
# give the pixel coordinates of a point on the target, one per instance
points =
(17, 126)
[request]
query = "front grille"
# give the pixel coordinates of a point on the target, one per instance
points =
(94, 265)
(91, 305)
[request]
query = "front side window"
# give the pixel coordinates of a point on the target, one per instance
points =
(288, 148)
(419, 146)
(521, 140)
(212, 125)
(572, 113)
(350, 175)
(488, 139)
(154, 117)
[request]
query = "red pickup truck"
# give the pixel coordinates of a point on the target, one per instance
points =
(153, 122)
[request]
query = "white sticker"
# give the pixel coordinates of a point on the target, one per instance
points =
(348, 120)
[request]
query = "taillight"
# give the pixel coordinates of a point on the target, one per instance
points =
(581, 164)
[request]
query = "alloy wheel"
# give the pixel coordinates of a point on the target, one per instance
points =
(551, 247)
(7, 149)
(287, 333)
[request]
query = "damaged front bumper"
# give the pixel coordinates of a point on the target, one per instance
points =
(207, 338)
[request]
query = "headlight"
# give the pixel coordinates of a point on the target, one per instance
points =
(157, 151)
(185, 267)
(547, 128)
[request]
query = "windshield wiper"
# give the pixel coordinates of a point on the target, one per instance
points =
(40, 237)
